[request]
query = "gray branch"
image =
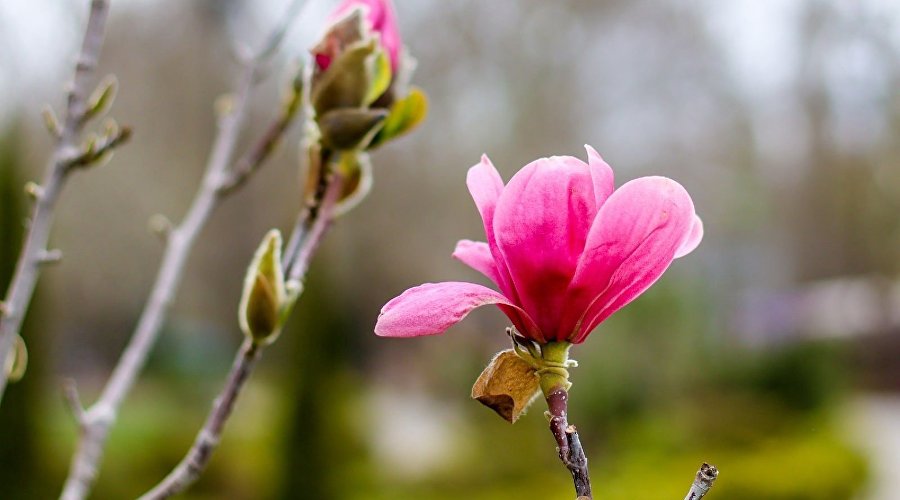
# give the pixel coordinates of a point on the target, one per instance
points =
(194, 462)
(34, 251)
(98, 420)
(189, 469)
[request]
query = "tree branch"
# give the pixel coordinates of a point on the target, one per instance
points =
(24, 280)
(312, 236)
(189, 469)
(195, 461)
(568, 445)
(180, 240)
(248, 164)
(702, 482)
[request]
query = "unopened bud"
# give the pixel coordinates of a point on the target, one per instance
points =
(347, 82)
(265, 297)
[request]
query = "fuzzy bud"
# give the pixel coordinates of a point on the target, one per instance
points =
(265, 297)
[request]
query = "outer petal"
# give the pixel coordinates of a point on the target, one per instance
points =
(485, 184)
(633, 240)
(541, 225)
(432, 308)
(477, 255)
(693, 238)
(601, 175)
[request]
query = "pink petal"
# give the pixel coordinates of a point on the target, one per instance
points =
(477, 255)
(541, 225)
(693, 238)
(601, 175)
(432, 308)
(486, 186)
(633, 240)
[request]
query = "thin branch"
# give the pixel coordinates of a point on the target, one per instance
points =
(70, 391)
(703, 481)
(195, 461)
(248, 164)
(189, 469)
(312, 238)
(568, 445)
(101, 416)
(22, 286)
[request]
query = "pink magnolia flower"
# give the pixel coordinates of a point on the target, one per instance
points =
(564, 248)
(380, 19)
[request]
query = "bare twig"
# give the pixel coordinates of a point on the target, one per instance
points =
(189, 469)
(702, 482)
(248, 164)
(179, 241)
(70, 391)
(194, 462)
(568, 444)
(68, 135)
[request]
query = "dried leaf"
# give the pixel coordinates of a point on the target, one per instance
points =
(507, 386)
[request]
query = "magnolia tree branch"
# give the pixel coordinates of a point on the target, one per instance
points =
(702, 482)
(65, 153)
(96, 421)
(195, 461)
(568, 445)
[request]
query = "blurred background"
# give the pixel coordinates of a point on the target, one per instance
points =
(772, 351)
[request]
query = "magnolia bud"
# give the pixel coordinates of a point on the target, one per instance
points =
(348, 81)
(265, 297)
(350, 19)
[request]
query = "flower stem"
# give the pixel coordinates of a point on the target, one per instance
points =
(555, 385)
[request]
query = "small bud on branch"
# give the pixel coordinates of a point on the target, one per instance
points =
(102, 97)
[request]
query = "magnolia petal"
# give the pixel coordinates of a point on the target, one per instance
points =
(693, 239)
(432, 308)
(485, 185)
(601, 175)
(477, 255)
(632, 241)
(541, 225)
